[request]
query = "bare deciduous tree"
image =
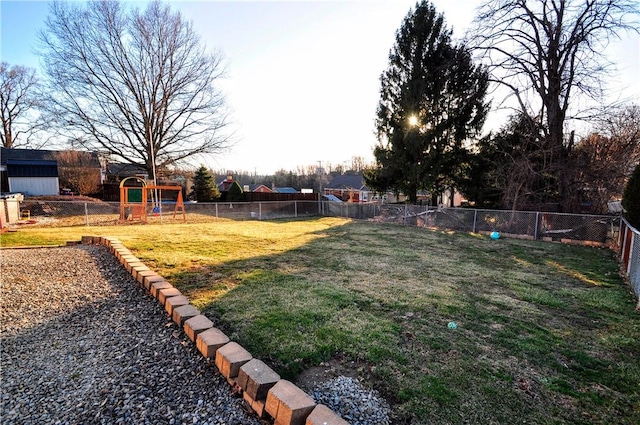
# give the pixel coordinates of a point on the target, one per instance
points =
(78, 171)
(623, 126)
(546, 52)
(604, 161)
(358, 163)
(19, 105)
(138, 85)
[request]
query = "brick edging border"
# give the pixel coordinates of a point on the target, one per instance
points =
(262, 389)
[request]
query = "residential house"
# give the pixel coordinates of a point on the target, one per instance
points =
(225, 184)
(348, 187)
(256, 188)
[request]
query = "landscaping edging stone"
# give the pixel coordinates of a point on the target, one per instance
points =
(268, 396)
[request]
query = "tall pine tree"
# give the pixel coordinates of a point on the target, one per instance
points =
(204, 186)
(431, 102)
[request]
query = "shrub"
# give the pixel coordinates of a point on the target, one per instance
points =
(631, 199)
(235, 193)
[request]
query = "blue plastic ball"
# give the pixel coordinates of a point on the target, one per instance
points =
(494, 235)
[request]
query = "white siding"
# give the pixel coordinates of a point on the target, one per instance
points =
(34, 186)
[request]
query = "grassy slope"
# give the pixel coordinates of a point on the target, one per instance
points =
(546, 332)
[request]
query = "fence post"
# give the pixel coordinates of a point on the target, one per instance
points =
(86, 213)
(475, 219)
(295, 208)
(624, 254)
(216, 210)
(535, 231)
(631, 246)
(404, 218)
(620, 232)
(622, 238)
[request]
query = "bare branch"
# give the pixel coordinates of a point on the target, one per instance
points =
(20, 106)
(136, 84)
(546, 52)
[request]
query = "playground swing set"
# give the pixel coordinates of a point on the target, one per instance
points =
(134, 200)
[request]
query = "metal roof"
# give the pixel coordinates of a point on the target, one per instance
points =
(285, 190)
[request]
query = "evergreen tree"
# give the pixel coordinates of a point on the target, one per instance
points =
(235, 194)
(204, 186)
(631, 198)
(431, 102)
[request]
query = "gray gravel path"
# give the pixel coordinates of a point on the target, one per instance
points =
(81, 343)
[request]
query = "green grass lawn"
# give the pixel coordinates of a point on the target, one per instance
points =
(546, 333)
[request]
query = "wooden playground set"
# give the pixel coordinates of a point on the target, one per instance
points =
(138, 200)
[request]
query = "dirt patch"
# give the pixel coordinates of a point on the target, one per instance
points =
(65, 198)
(316, 375)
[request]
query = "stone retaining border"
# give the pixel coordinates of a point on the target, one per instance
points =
(262, 389)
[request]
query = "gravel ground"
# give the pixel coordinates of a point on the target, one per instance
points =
(352, 401)
(81, 343)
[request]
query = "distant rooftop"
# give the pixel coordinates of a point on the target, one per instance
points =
(347, 181)
(285, 190)
(40, 155)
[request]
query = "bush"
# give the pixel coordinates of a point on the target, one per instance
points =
(631, 199)
(235, 193)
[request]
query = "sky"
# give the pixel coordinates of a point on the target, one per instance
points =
(302, 77)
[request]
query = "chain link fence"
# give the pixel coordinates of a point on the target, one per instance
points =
(599, 229)
(39, 213)
(251, 210)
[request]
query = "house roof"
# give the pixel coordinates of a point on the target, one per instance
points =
(347, 181)
(223, 186)
(285, 190)
(256, 186)
(32, 155)
(22, 155)
(125, 170)
(29, 162)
